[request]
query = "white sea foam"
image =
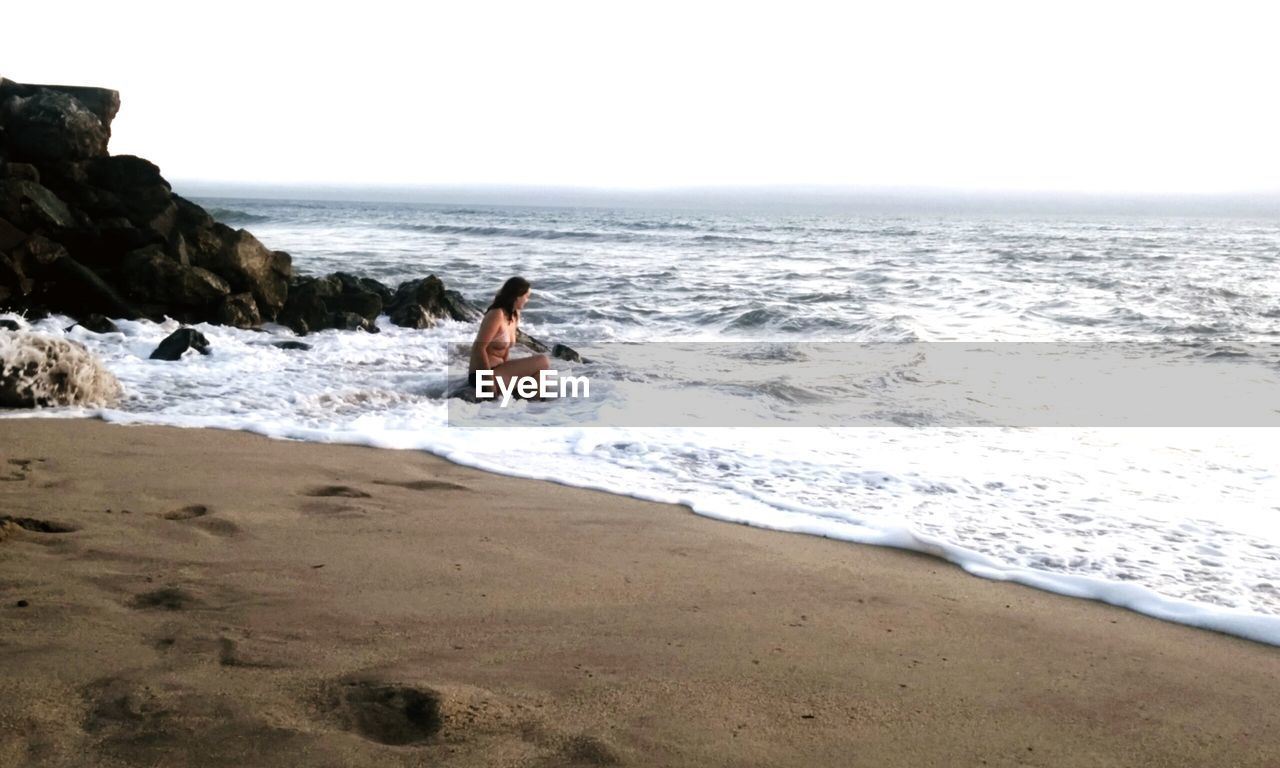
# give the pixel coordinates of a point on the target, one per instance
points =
(42, 370)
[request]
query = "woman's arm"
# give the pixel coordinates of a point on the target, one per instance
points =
(492, 328)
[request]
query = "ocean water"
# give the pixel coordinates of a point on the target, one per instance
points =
(1178, 523)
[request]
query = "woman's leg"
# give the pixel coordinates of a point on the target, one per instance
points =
(524, 366)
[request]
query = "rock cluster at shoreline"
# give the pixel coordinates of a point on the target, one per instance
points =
(96, 236)
(93, 235)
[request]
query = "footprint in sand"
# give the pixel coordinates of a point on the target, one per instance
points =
(401, 714)
(18, 469)
(200, 517)
(343, 491)
(38, 526)
(187, 513)
(166, 599)
(152, 720)
(388, 713)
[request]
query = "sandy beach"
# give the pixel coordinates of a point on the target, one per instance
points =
(181, 597)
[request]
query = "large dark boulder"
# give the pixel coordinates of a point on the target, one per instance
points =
(50, 126)
(104, 103)
(132, 188)
(96, 323)
(22, 171)
(246, 264)
(362, 295)
(412, 315)
(15, 286)
(31, 206)
(65, 285)
(152, 277)
(318, 303)
(350, 321)
(238, 310)
(191, 216)
(305, 311)
(105, 245)
(10, 235)
(428, 297)
(60, 283)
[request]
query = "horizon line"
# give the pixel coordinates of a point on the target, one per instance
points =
(790, 188)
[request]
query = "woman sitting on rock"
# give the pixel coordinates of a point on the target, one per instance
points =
(497, 335)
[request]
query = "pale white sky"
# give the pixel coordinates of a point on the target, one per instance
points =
(1108, 97)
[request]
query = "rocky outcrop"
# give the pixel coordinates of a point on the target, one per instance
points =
(56, 123)
(95, 235)
(334, 301)
(419, 303)
(83, 231)
(41, 371)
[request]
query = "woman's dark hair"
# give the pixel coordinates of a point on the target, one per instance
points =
(506, 298)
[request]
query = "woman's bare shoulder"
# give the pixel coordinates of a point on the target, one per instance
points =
(492, 320)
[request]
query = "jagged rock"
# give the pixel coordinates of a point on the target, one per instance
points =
(61, 283)
(178, 342)
(317, 303)
(239, 311)
(190, 215)
(559, 351)
(14, 283)
(564, 352)
(102, 247)
(10, 325)
(412, 316)
(68, 286)
(361, 295)
(30, 205)
(435, 301)
(97, 324)
(246, 264)
(40, 275)
(21, 171)
(293, 345)
(10, 235)
(35, 253)
(104, 103)
(135, 190)
(304, 312)
(49, 125)
(350, 321)
(154, 278)
(40, 371)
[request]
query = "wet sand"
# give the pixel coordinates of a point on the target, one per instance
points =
(209, 598)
